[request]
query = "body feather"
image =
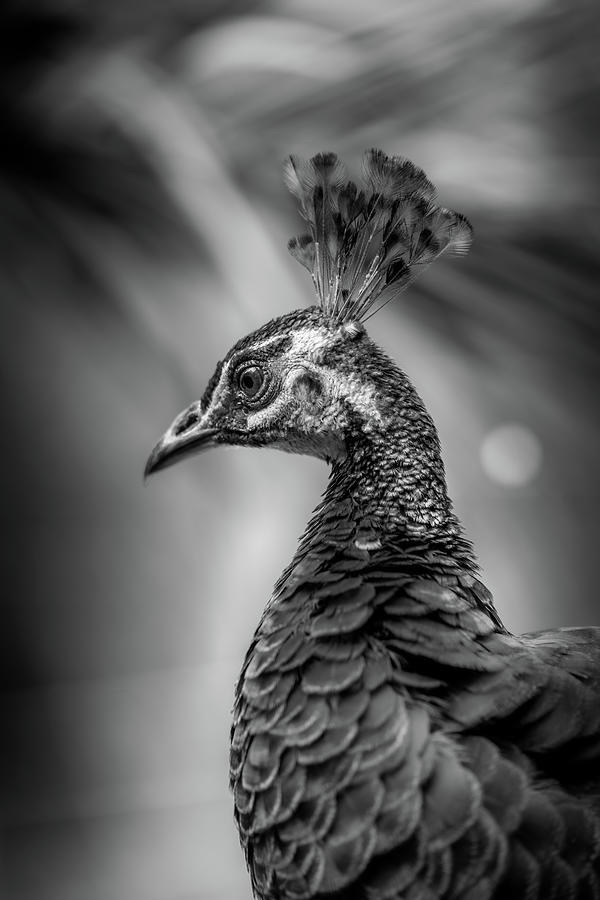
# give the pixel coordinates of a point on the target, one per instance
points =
(468, 778)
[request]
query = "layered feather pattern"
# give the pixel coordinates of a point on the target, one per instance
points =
(366, 760)
(364, 246)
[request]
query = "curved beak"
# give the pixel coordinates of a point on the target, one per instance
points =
(188, 434)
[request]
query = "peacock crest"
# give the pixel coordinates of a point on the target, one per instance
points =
(365, 245)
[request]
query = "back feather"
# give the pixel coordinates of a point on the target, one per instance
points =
(365, 246)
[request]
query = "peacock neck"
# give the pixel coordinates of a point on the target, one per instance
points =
(393, 473)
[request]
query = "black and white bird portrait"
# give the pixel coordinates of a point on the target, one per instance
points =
(367, 667)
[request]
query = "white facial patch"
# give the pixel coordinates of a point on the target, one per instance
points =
(307, 342)
(360, 396)
(270, 413)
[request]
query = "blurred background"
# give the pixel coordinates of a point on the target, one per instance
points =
(143, 226)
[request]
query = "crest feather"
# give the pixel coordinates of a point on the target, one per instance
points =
(364, 247)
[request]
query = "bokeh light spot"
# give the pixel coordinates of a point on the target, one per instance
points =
(511, 455)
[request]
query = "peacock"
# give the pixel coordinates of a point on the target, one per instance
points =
(391, 739)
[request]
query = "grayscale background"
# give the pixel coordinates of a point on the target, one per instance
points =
(143, 229)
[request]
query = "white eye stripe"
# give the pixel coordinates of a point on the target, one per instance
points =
(245, 355)
(268, 341)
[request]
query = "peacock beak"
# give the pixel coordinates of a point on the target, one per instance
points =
(188, 434)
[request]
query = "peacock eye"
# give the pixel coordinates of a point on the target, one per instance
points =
(251, 381)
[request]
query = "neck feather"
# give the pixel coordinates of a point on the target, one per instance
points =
(394, 474)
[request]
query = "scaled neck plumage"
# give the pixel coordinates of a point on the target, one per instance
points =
(390, 484)
(392, 469)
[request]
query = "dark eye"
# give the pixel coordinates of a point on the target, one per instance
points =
(251, 380)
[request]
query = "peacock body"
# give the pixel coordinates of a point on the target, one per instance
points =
(390, 739)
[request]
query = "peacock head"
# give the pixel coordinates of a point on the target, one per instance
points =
(312, 381)
(301, 383)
